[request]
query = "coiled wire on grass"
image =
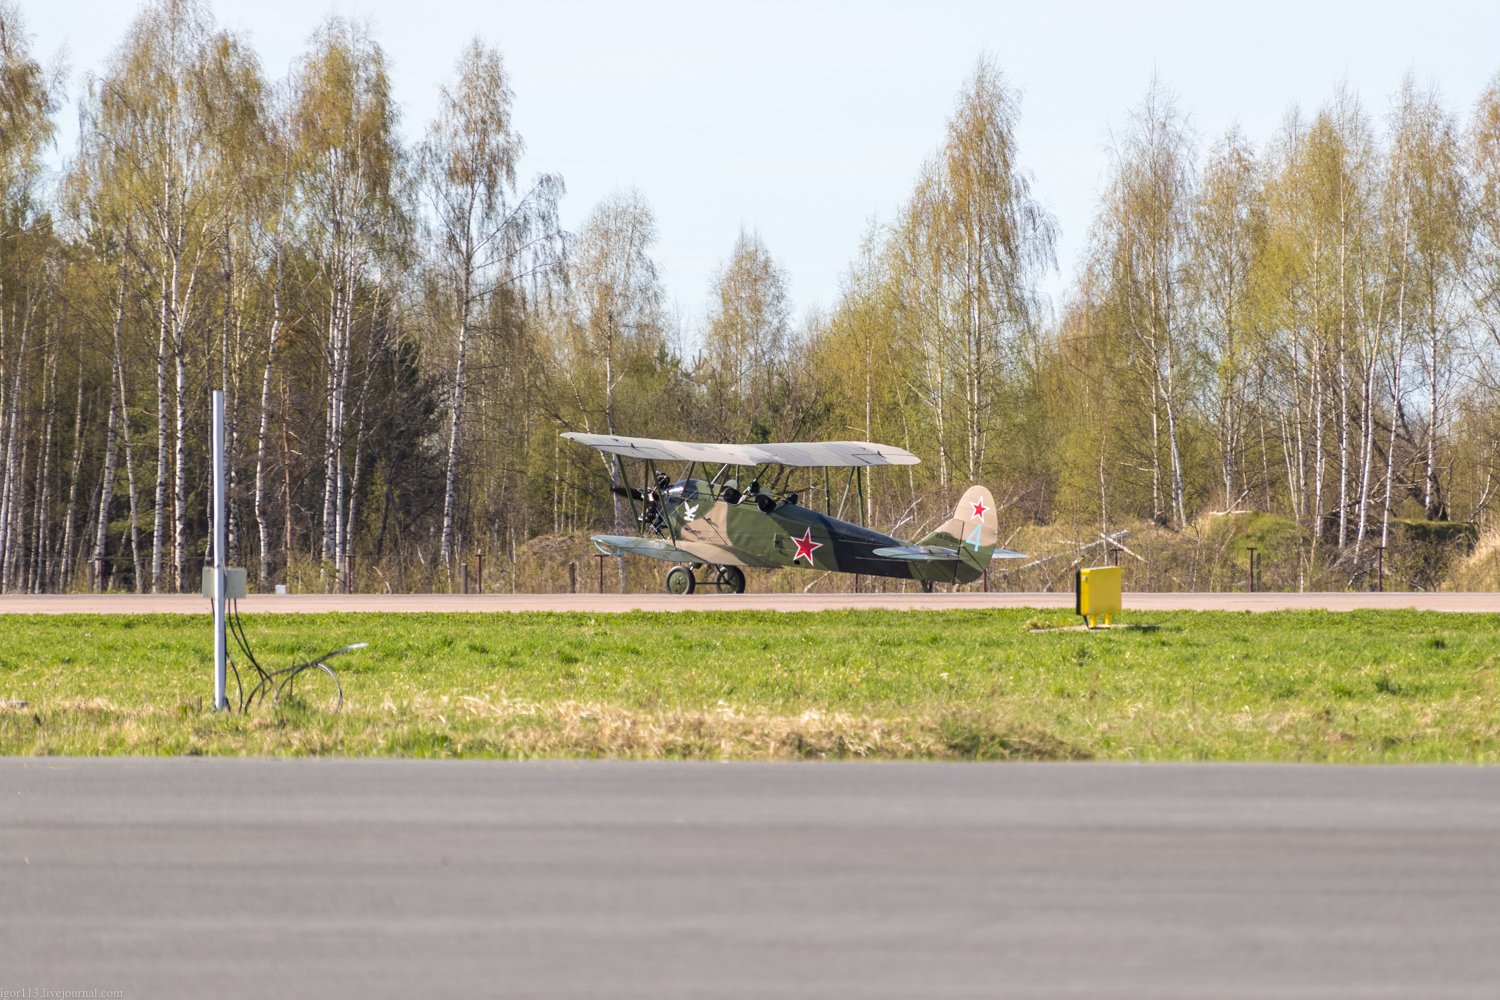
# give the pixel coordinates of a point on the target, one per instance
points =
(273, 683)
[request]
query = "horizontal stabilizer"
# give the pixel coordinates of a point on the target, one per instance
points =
(652, 548)
(918, 553)
(1007, 554)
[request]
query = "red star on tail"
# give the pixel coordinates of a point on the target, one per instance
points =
(805, 547)
(979, 508)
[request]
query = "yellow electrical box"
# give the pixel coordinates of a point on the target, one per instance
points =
(1098, 594)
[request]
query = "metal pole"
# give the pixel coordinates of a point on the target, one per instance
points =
(221, 699)
(1251, 579)
(1380, 572)
(480, 555)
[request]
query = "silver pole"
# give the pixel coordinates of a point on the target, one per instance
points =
(221, 700)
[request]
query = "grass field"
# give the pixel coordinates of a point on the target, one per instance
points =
(1306, 686)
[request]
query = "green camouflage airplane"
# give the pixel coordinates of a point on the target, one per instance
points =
(707, 521)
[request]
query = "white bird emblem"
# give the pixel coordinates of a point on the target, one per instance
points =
(689, 511)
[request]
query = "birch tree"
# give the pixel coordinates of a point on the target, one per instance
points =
(28, 99)
(1229, 233)
(486, 233)
(352, 219)
(746, 341)
(1145, 236)
(162, 134)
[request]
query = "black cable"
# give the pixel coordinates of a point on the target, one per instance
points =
(237, 685)
(275, 682)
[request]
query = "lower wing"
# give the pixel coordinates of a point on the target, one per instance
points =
(652, 548)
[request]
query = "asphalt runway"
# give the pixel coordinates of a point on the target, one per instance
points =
(254, 878)
(593, 603)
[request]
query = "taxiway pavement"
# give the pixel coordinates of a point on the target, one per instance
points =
(390, 878)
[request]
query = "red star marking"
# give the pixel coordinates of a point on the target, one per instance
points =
(979, 508)
(805, 547)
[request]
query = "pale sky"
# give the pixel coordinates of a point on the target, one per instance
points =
(807, 120)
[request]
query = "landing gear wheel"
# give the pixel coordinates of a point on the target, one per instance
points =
(730, 580)
(680, 580)
(926, 586)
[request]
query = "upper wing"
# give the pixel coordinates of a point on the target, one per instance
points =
(829, 454)
(652, 548)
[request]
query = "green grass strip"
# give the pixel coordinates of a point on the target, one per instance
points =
(1363, 686)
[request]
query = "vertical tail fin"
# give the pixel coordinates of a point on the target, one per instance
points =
(973, 531)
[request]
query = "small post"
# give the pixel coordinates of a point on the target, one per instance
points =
(1380, 569)
(601, 573)
(466, 578)
(1114, 555)
(480, 556)
(349, 572)
(572, 578)
(221, 651)
(986, 579)
(1251, 581)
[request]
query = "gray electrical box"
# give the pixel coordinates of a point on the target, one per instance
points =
(234, 582)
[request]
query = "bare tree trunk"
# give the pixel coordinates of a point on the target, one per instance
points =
(39, 564)
(139, 582)
(1319, 458)
(75, 472)
(159, 525)
(609, 422)
(262, 526)
(1157, 507)
(179, 466)
(1343, 366)
(106, 494)
(354, 485)
(12, 487)
(455, 426)
(1343, 377)
(1432, 494)
(332, 427)
(1398, 371)
(1366, 448)
(1179, 503)
(15, 555)
(118, 396)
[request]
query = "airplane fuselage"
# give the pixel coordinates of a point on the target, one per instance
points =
(701, 522)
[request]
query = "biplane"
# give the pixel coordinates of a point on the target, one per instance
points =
(707, 523)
